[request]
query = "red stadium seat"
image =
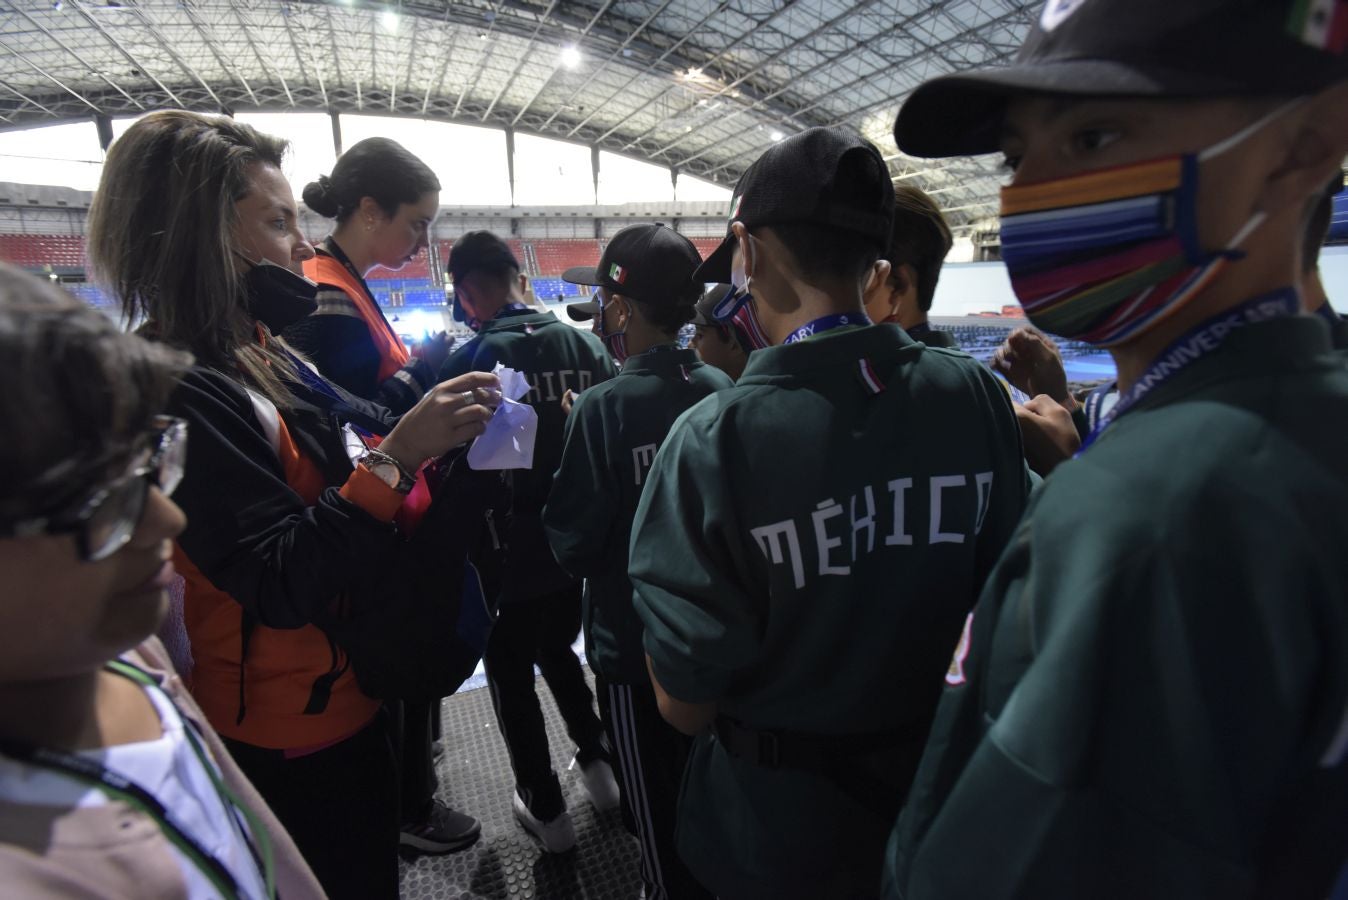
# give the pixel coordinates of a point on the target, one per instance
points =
(419, 267)
(705, 246)
(37, 250)
(557, 255)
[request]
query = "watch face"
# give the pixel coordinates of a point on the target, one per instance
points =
(385, 472)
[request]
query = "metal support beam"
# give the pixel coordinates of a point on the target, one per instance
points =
(846, 13)
(137, 64)
(336, 133)
(173, 55)
(103, 125)
(737, 42)
(618, 51)
(715, 10)
(510, 161)
(25, 98)
(492, 16)
(47, 75)
(586, 30)
(248, 30)
(594, 170)
(75, 56)
(524, 60)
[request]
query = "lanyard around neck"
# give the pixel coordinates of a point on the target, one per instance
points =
(826, 323)
(1199, 342)
(93, 773)
(339, 254)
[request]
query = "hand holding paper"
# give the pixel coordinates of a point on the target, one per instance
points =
(508, 442)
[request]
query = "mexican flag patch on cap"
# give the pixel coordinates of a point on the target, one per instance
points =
(1321, 23)
(617, 273)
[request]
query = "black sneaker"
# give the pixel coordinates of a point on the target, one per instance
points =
(444, 831)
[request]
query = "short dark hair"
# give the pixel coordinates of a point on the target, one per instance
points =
(668, 318)
(483, 253)
(90, 393)
(920, 238)
(375, 167)
(829, 252)
(1317, 225)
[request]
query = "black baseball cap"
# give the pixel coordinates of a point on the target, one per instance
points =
(802, 179)
(1135, 48)
(702, 311)
(650, 263)
(480, 251)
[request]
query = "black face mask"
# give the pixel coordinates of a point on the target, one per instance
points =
(277, 297)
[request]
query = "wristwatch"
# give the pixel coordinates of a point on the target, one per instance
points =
(388, 470)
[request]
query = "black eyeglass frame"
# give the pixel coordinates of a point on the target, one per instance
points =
(162, 469)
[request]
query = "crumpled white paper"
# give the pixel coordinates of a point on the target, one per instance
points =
(508, 442)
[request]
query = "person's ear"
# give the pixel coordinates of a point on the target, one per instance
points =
(877, 295)
(369, 214)
(746, 241)
(1313, 149)
(624, 311)
(879, 274)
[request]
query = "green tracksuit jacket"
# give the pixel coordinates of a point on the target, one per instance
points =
(555, 358)
(805, 554)
(1157, 693)
(612, 437)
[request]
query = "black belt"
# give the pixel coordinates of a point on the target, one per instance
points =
(875, 769)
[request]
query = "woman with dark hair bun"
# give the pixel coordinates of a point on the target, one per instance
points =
(291, 513)
(384, 200)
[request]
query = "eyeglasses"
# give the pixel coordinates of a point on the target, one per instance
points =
(105, 522)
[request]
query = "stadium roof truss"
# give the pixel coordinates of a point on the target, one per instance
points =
(703, 86)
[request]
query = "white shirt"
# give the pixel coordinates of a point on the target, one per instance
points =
(168, 769)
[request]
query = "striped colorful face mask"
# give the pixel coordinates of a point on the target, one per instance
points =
(1105, 256)
(736, 309)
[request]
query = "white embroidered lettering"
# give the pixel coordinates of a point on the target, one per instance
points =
(866, 523)
(938, 484)
(899, 538)
(642, 457)
(769, 539)
(828, 509)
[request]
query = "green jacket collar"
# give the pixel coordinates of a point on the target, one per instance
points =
(512, 319)
(659, 361)
(845, 346)
(1256, 350)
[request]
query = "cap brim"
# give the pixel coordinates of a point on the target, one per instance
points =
(716, 268)
(961, 115)
(583, 312)
(582, 275)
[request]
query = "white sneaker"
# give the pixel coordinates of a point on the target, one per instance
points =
(556, 836)
(599, 784)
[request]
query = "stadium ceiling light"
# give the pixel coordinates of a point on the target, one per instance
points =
(692, 74)
(389, 19)
(570, 57)
(776, 135)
